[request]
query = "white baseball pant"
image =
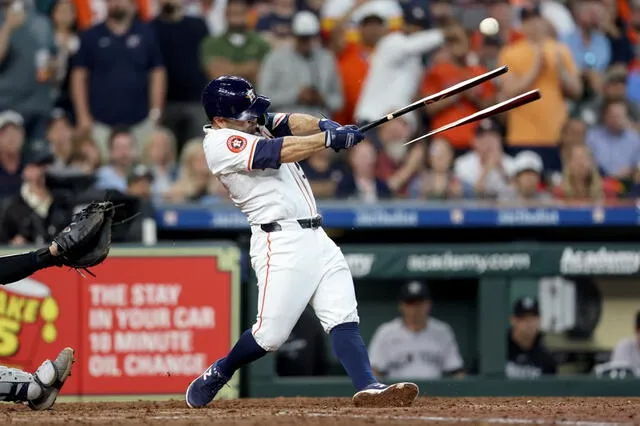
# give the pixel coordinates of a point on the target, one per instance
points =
(296, 267)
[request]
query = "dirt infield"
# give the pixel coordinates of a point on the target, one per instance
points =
(331, 411)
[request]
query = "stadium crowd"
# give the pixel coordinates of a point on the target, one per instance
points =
(109, 90)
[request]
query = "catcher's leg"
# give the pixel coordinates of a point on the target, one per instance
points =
(38, 390)
(18, 266)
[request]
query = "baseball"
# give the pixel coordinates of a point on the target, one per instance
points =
(489, 26)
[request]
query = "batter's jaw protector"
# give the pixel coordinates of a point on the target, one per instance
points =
(233, 97)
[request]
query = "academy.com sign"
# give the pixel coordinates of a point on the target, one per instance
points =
(599, 261)
(464, 262)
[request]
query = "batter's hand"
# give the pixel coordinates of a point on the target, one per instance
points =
(343, 137)
(326, 124)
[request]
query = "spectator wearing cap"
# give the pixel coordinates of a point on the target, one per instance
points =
(118, 77)
(139, 182)
(527, 171)
(238, 51)
(615, 144)
(415, 345)
(627, 350)
(11, 145)
(179, 37)
(277, 25)
(35, 215)
(538, 62)
(486, 170)
(528, 358)
(457, 66)
(360, 182)
(26, 44)
(396, 68)
(123, 155)
(302, 77)
(59, 135)
(354, 55)
(437, 181)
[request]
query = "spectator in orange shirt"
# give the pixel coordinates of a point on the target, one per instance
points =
(459, 66)
(502, 11)
(353, 56)
(538, 62)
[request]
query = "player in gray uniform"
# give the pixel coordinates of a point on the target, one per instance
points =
(627, 352)
(415, 345)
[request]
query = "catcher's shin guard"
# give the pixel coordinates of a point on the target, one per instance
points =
(17, 385)
(40, 389)
(51, 375)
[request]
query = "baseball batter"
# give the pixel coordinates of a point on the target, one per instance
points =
(255, 155)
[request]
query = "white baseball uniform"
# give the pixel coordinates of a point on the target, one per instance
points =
(294, 266)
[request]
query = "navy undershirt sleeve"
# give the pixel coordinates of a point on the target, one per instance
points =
(267, 154)
(279, 129)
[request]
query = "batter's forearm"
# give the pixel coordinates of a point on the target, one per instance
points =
(298, 148)
(304, 125)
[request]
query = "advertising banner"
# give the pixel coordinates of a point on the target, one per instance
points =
(149, 322)
(478, 260)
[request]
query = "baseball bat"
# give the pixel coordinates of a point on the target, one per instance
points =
(496, 109)
(443, 94)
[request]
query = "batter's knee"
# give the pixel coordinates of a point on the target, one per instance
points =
(351, 317)
(270, 338)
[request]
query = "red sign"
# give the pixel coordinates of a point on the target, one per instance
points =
(143, 325)
(38, 318)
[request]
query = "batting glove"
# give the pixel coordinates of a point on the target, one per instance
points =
(326, 124)
(343, 137)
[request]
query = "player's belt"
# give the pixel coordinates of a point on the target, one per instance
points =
(313, 223)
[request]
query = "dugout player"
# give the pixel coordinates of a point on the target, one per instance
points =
(415, 345)
(255, 155)
(627, 351)
(528, 357)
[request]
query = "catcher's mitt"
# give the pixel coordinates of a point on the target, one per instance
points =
(87, 240)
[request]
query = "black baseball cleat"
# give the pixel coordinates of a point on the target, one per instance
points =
(51, 376)
(205, 387)
(381, 395)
